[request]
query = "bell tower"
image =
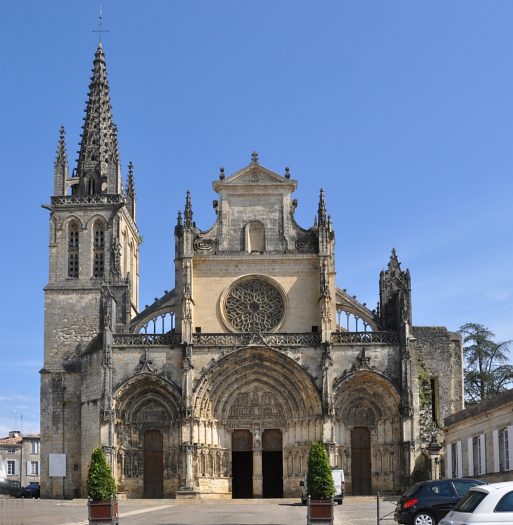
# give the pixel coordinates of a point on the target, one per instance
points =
(93, 285)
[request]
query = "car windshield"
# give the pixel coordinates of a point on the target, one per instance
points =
(462, 487)
(470, 501)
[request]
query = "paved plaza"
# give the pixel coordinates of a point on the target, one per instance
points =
(354, 511)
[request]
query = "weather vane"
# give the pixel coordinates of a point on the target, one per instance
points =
(100, 24)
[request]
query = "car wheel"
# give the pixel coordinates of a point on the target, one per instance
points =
(424, 518)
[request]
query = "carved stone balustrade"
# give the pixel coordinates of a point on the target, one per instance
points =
(72, 200)
(123, 340)
(355, 338)
(246, 339)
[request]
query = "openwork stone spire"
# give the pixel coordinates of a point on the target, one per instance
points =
(98, 161)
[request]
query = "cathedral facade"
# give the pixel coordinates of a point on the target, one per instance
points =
(220, 386)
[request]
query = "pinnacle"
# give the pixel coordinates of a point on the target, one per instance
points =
(130, 183)
(321, 212)
(61, 158)
(394, 261)
(187, 214)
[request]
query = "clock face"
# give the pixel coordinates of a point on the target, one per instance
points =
(254, 305)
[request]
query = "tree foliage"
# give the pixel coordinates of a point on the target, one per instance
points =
(487, 371)
(100, 483)
(319, 479)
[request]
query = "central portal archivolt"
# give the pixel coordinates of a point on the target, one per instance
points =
(256, 385)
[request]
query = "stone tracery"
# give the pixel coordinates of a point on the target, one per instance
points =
(254, 305)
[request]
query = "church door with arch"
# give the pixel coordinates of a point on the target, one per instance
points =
(272, 464)
(153, 464)
(242, 464)
(360, 461)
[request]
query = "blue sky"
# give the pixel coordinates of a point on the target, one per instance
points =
(402, 111)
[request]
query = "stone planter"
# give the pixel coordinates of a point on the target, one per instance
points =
(319, 511)
(103, 512)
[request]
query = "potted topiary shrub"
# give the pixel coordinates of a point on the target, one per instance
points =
(320, 486)
(101, 490)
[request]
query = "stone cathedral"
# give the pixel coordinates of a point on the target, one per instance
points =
(219, 387)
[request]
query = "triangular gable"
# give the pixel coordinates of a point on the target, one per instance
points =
(255, 174)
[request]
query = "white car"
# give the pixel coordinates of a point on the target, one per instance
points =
(483, 505)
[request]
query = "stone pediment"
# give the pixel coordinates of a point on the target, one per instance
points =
(255, 175)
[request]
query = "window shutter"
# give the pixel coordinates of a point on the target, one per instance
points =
(482, 442)
(496, 452)
(459, 465)
(510, 446)
(28, 468)
(470, 455)
(448, 461)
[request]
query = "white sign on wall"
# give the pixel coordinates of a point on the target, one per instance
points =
(57, 465)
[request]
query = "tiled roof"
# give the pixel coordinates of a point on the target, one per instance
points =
(8, 441)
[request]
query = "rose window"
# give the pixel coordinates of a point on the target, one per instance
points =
(254, 305)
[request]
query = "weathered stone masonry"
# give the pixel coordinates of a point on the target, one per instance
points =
(219, 387)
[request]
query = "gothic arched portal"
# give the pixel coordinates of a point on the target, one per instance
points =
(266, 393)
(368, 431)
(147, 436)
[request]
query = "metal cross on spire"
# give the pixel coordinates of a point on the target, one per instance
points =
(100, 29)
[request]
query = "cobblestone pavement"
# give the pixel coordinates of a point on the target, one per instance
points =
(354, 511)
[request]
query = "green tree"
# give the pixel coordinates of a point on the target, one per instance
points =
(319, 480)
(487, 371)
(100, 483)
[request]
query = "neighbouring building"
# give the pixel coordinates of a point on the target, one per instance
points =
(219, 387)
(20, 457)
(479, 440)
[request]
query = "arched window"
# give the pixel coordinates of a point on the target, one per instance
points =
(73, 247)
(98, 250)
(255, 237)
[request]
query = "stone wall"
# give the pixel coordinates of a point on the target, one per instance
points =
(440, 353)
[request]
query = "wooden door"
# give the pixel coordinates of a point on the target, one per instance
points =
(153, 464)
(360, 462)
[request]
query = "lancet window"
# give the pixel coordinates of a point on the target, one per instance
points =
(99, 250)
(73, 250)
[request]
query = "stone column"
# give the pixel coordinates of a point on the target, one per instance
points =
(258, 480)
(188, 467)
(258, 485)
